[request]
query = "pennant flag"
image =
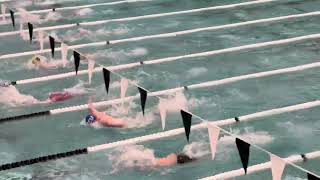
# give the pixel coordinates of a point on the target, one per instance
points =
(52, 45)
(41, 39)
(186, 118)
(277, 167)
(91, 64)
(312, 177)
(76, 57)
(244, 152)
(143, 98)
(3, 11)
(64, 54)
(123, 87)
(12, 18)
(213, 137)
(163, 113)
(106, 77)
(30, 27)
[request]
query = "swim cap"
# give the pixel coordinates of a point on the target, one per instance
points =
(35, 60)
(183, 158)
(90, 119)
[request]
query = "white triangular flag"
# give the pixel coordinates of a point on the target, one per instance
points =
(91, 64)
(163, 113)
(213, 138)
(277, 167)
(41, 39)
(3, 12)
(64, 55)
(123, 87)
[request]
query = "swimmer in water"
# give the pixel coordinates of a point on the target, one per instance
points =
(41, 62)
(173, 159)
(60, 96)
(102, 118)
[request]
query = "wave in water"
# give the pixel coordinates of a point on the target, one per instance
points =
(12, 97)
(83, 12)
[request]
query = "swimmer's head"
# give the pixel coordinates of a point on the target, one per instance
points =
(183, 158)
(36, 60)
(90, 119)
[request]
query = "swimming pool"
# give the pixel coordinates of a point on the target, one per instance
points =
(284, 134)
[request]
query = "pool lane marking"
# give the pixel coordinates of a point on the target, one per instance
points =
(174, 58)
(92, 23)
(160, 135)
(168, 91)
(80, 6)
(262, 166)
(166, 35)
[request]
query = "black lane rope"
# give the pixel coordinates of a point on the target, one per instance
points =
(43, 159)
(25, 116)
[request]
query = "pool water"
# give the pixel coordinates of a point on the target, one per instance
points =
(284, 135)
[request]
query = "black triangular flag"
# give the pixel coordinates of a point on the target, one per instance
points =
(244, 152)
(52, 45)
(186, 118)
(312, 177)
(76, 57)
(106, 77)
(12, 18)
(30, 27)
(143, 98)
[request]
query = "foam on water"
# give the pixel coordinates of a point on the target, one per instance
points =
(79, 89)
(197, 71)
(22, 3)
(134, 156)
(175, 102)
(196, 149)
(254, 137)
(25, 16)
(120, 55)
(52, 16)
(12, 97)
(74, 35)
(83, 12)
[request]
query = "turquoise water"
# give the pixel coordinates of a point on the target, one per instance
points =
(283, 135)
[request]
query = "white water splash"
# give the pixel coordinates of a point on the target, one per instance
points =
(134, 156)
(22, 3)
(196, 71)
(133, 119)
(12, 97)
(52, 16)
(26, 16)
(74, 35)
(260, 137)
(83, 12)
(175, 102)
(196, 149)
(120, 55)
(79, 89)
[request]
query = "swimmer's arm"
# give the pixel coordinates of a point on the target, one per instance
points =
(111, 122)
(171, 159)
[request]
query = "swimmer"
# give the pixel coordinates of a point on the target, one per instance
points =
(173, 159)
(60, 96)
(102, 118)
(41, 62)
